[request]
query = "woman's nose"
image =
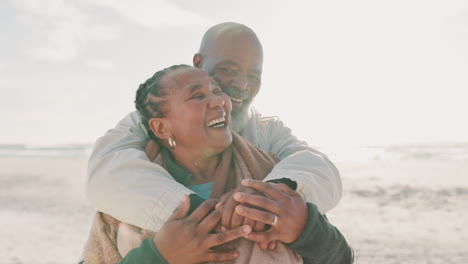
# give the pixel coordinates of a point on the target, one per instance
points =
(217, 101)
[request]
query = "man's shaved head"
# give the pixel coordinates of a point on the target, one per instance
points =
(227, 30)
(232, 54)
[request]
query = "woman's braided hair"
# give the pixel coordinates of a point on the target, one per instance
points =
(150, 101)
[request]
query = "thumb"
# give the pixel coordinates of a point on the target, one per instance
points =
(182, 210)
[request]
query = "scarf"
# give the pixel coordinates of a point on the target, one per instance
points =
(109, 238)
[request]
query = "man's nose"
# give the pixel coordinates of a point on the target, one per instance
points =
(241, 83)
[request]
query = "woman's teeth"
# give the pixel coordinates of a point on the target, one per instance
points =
(218, 122)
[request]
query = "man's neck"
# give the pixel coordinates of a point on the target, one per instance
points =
(240, 119)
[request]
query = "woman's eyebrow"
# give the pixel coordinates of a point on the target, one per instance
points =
(195, 87)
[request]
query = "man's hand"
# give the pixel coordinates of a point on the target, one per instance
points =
(283, 209)
(187, 239)
(230, 218)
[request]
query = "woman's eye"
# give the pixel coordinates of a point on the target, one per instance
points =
(218, 92)
(197, 96)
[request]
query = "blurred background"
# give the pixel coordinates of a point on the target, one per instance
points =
(379, 86)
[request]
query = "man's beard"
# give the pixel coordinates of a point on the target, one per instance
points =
(239, 119)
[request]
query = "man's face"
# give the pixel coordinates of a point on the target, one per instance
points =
(235, 62)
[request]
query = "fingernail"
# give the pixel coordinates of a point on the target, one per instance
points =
(245, 181)
(237, 196)
(235, 254)
(239, 209)
(246, 229)
(223, 229)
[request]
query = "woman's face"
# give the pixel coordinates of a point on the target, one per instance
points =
(199, 113)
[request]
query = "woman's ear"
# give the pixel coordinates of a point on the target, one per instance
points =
(159, 128)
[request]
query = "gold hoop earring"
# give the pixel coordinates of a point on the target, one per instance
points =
(172, 143)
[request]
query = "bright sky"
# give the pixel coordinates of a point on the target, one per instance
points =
(336, 72)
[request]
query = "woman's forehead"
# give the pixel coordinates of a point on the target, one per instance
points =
(186, 78)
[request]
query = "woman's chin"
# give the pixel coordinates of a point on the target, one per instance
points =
(220, 143)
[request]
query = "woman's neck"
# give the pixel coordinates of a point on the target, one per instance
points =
(201, 165)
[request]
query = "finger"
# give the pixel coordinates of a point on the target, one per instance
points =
(236, 220)
(228, 212)
(255, 214)
(263, 245)
(258, 227)
(264, 187)
(221, 256)
(209, 222)
(202, 211)
(249, 222)
(223, 199)
(220, 204)
(261, 236)
(285, 188)
(223, 237)
(182, 210)
(272, 245)
(258, 201)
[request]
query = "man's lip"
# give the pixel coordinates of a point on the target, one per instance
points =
(236, 100)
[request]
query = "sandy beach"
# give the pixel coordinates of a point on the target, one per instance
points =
(411, 211)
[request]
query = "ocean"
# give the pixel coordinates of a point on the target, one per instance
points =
(395, 152)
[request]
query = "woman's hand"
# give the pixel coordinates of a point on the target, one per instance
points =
(187, 239)
(283, 209)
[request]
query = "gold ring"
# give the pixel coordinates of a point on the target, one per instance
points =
(275, 220)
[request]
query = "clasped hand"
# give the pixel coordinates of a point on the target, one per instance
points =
(257, 203)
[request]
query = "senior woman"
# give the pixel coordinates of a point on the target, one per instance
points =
(187, 113)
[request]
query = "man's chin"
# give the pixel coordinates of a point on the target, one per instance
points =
(239, 118)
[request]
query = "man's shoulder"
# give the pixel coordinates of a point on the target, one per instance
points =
(264, 120)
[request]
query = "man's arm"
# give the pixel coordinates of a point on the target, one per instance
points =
(317, 178)
(321, 242)
(125, 184)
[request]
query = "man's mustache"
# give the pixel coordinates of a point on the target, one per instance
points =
(234, 92)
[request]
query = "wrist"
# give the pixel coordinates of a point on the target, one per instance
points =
(290, 183)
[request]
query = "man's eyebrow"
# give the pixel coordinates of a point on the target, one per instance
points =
(228, 62)
(257, 72)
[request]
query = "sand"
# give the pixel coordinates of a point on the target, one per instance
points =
(412, 211)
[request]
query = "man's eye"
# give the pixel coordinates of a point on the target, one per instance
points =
(218, 92)
(228, 71)
(254, 78)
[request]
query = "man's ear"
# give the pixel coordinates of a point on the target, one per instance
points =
(197, 60)
(159, 127)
